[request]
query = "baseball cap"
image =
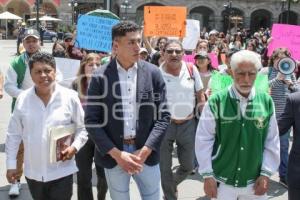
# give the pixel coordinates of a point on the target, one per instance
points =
(213, 32)
(201, 54)
(143, 50)
(31, 33)
(68, 36)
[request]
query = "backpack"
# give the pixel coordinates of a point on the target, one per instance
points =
(18, 64)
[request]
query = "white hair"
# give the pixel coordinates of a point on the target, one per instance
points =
(245, 56)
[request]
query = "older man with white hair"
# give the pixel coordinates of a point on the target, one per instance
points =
(237, 142)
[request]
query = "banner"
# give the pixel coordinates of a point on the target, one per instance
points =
(66, 70)
(287, 36)
(94, 33)
(192, 34)
(165, 21)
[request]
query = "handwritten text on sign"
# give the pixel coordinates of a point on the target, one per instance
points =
(94, 33)
(165, 21)
(286, 36)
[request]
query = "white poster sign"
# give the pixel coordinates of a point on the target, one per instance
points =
(66, 70)
(192, 34)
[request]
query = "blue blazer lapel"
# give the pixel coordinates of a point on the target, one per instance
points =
(113, 84)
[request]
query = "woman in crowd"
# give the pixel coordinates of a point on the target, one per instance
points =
(85, 157)
(237, 42)
(58, 50)
(44, 106)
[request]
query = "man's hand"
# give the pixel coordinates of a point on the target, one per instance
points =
(261, 185)
(127, 161)
(143, 154)
(210, 187)
(11, 175)
(68, 153)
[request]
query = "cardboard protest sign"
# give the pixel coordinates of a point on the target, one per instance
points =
(66, 70)
(286, 36)
(189, 58)
(94, 33)
(192, 34)
(165, 21)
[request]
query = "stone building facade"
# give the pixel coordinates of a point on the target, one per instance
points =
(218, 14)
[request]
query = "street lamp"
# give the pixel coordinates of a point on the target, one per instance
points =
(73, 4)
(289, 8)
(126, 5)
(228, 7)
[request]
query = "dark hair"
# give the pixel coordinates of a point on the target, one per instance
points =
(253, 43)
(171, 42)
(42, 57)
(278, 52)
(81, 82)
(161, 38)
(120, 29)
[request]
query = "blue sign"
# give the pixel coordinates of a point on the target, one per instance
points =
(94, 33)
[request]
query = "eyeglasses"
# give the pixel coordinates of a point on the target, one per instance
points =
(68, 40)
(171, 51)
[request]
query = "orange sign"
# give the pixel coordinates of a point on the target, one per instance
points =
(164, 21)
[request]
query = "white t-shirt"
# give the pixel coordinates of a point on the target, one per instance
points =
(181, 91)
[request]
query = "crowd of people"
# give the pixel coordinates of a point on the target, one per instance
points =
(133, 105)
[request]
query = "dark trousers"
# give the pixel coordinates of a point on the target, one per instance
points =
(184, 136)
(18, 45)
(294, 193)
(84, 160)
(59, 189)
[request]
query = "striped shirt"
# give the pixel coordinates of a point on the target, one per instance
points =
(279, 91)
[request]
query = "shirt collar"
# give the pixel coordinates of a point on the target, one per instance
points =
(120, 68)
(236, 95)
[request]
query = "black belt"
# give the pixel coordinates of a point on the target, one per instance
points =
(130, 141)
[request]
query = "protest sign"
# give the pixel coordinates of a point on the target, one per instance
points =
(189, 58)
(214, 60)
(286, 36)
(94, 33)
(165, 21)
(192, 34)
(66, 70)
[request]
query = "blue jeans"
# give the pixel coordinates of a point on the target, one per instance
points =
(148, 181)
(284, 154)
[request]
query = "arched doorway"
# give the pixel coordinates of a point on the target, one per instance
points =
(49, 9)
(140, 12)
(20, 8)
(293, 18)
(260, 19)
(205, 15)
(233, 19)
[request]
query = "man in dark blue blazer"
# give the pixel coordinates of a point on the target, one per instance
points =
(126, 117)
(291, 117)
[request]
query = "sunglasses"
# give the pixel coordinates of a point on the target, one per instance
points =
(171, 51)
(68, 40)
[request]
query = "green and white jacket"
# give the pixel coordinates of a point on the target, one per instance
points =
(237, 138)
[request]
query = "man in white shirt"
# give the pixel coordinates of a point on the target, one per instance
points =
(183, 83)
(45, 105)
(17, 80)
(237, 140)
